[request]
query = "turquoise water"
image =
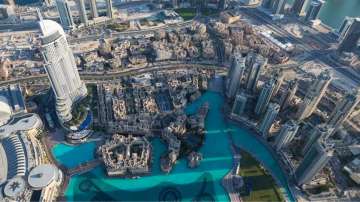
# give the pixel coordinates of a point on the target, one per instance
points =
(71, 156)
(202, 183)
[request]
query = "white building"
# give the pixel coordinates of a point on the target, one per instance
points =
(61, 68)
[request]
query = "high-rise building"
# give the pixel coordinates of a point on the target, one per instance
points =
(235, 75)
(61, 68)
(299, 7)
(265, 96)
(239, 105)
(314, 161)
(289, 94)
(279, 79)
(322, 132)
(350, 35)
(255, 65)
(66, 18)
(82, 11)
(314, 10)
(345, 26)
(269, 118)
(93, 9)
(109, 9)
(286, 134)
(314, 95)
(343, 109)
(278, 6)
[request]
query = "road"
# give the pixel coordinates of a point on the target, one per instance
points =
(315, 52)
(95, 77)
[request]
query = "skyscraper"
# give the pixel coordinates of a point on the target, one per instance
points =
(313, 10)
(322, 132)
(61, 68)
(343, 109)
(314, 161)
(265, 96)
(345, 26)
(299, 7)
(279, 78)
(350, 36)
(239, 105)
(286, 134)
(235, 75)
(109, 9)
(82, 11)
(314, 95)
(289, 94)
(93, 9)
(278, 6)
(66, 18)
(255, 65)
(269, 118)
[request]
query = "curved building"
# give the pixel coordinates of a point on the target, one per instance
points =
(61, 68)
(5, 110)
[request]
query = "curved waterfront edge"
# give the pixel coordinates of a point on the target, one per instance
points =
(255, 133)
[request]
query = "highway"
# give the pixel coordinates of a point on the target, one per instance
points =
(96, 77)
(314, 51)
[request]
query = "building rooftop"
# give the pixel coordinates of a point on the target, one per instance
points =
(42, 175)
(20, 123)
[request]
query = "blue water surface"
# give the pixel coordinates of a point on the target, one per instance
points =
(202, 183)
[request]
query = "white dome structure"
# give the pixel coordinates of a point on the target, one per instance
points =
(5, 110)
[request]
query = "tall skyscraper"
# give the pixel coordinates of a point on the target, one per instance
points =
(235, 75)
(61, 68)
(289, 94)
(279, 79)
(254, 63)
(278, 6)
(299, 7)
(269, 118)
(93, 9)
(345, 26)
(265, 96)
(66, 18)
(314, 10)
(286, 134)
(314, 95)
(109, 9)
(314, 161)
(82, 11)
(350, 36)
(343, 109)
(239, 105)
(322, 132)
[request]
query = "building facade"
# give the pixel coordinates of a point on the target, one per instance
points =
(66, 18)
(286, 134)
(314, 10)
(235, 75)
(289, 94)
(314, 161)
(61, 68)
(350, 36)
(322, 132)
(82, 11)
(314, 95)
(265, 96)
(343, 109)
(269, 118)
(239, 105)
(299, 7)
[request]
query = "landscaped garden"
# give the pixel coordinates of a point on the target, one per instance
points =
(258, 183)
